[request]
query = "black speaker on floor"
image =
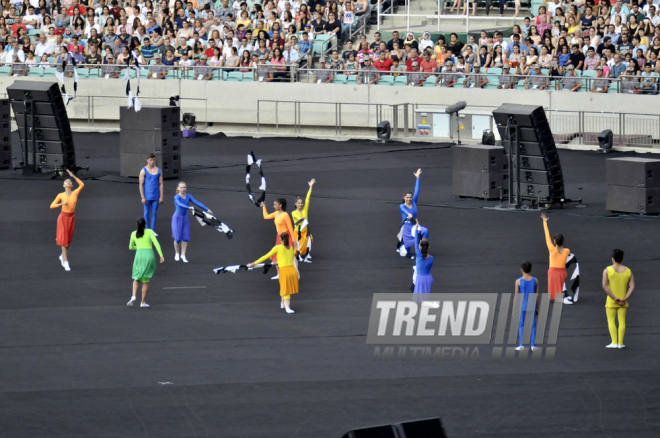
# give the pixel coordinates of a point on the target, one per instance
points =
(426, 428)
(43, 124)
(633, 185)
(5, 135)
(531, 150)
(479, 171)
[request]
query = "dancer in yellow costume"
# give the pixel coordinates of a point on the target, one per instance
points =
(619, 285)
(301, 226)
(288, 274)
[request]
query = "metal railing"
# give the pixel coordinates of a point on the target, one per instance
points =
(340, 116)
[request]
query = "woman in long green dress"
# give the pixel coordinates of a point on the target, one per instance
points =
(144, 264)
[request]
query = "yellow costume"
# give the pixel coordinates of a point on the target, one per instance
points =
(618, 284)
(305, 239)
(288, 273)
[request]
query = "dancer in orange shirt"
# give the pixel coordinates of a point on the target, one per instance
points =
(558, 256)
(67, 218)
(282, 224)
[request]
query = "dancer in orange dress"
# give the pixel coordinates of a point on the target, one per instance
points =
(558, 256)
(67, 218)
(283, 225)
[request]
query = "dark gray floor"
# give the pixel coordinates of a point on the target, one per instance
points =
(76, 362)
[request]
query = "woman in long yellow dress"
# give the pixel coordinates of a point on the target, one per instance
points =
(288, 275)
(301, 226)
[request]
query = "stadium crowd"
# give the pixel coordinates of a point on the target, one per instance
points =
(575, 46)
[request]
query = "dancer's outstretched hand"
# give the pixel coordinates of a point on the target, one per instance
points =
(544, 217)
(418, 173)
(162, 260)
(312, 182)
(250, 265)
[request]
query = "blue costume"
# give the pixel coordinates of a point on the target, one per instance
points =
(407, 237)
(423, 277)
(526, 288)
(152, 195)
(180, 222)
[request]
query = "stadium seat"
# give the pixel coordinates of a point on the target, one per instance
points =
(34, 32)
(36, 72)
(94, 73)
(144, 73)
(430, 81)
(82, 72)
(401, 81)
(171, 74)
(52, 59)
(4, 71)
(352, 80)
(248, 76)
(520, 85)
(493, 78)
(234, 76)
(49, 72)
(386, 80)
(340, 79)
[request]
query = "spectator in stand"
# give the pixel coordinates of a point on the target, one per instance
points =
(148, 50)
(629, 82)
(203, 71)
(349, 50)
(93, 59)
(18, 24)
(18, 68)
(16, 50)
(571, 82)
(592, 60)
(323, 75)
(43, 47)
(395, 39)
(157, 70)
(648, 81)
(537, 80)
(600, 84)
(413, 58)
(383, 64)
(262, 72)
(476, 79)
(507, 80)
(368, 73)
(364, 53)
(448, 76)
(290, 54)
(416, 77)
(618, 68)
(428, 65)
(351, 65)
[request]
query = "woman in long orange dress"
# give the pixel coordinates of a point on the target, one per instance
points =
(282, 224)
(558, 256)
(67, 218)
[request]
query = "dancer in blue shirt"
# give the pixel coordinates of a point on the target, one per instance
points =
(180, 222)
(527, 285)
(423, 265)
(409, 207)
(151, 191)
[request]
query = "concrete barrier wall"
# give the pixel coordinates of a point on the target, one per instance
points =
(235, 103)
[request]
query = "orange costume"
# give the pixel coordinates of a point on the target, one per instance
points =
(557, 271)
(67, 219)
(282, 224)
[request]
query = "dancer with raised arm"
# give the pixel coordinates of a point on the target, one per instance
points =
(288, 274)
(144, 264)
(619, 285)
(151, 191)
(558, 256)
(408, 207)
(423, 265)
(66, 221)
(301, 226)
(180, 221)
(282, 225)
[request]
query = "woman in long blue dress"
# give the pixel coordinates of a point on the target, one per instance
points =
(180, 222)
(409, 206)
(423, 265)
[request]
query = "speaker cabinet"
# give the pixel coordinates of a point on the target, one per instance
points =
(480, 185)
(132, 164)
(479, 158)
(150, 118)
(145, 142)
(633, 172)
(5, 155)
(640, 200)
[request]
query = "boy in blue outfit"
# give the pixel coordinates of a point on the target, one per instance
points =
(527, 285)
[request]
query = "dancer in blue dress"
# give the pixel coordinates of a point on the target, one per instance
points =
(408, 207)
(527, 285)
(180, 222)
(423, 265)
(151, 191)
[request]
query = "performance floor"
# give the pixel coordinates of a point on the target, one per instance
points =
(214, 356)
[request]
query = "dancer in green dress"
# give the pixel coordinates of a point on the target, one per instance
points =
(144, 264)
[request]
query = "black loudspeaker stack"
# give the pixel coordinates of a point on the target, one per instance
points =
(427, 428)
(5, 134)
(479, 171)
(541, 177)
(43, 125)
(153, 129)
(633, 185)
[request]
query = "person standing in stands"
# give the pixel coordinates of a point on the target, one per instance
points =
(151, 191)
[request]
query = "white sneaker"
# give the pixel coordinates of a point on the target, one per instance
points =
(184, 259)
(289, 310)
(144, 305)
(281, 305)
(131, 302)
(534, 348)
(176, 257)
(66, 266)
(308, 259)
(568, 300)
(61, 260)
(612, 346)
(621, 346)
(520, 348)
(277, 277)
